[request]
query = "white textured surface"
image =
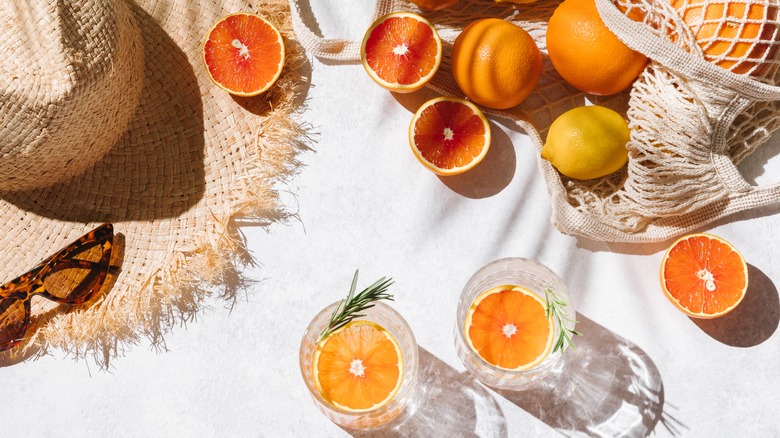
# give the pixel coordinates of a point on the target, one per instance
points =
(364, 202)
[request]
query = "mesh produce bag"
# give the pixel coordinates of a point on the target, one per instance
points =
(695, 112)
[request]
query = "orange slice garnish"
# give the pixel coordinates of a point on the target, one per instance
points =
(359, 367)
(507, 326)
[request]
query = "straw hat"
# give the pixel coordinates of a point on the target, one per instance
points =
(108, 115)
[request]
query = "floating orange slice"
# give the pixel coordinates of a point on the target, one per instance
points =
(704, 275)
(508, 327)
(359, 367)
(449, 136)
(401, 51)
(244, 54)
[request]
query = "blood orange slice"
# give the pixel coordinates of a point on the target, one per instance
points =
(244, 54)
(704, 275)
(449, 136)
(359, 367)
(401, 51)
(508, 327)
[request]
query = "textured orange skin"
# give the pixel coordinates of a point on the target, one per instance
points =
(434, 5)
(587, 54)
(495, 63)
(734, 13)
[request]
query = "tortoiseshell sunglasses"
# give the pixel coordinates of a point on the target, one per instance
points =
(71, 276)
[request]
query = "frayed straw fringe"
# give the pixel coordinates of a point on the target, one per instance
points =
(177, 291)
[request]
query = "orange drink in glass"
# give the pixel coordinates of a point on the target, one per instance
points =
(363, 373)
(514, 320)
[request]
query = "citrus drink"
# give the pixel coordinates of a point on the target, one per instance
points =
(363, 374)
(514, 320)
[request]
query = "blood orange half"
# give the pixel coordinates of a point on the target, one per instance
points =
(401, 51)
(509, 328)
(244, 54)
(704, 275)
(449, 136)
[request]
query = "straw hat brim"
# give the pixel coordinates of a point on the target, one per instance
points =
(192, 160)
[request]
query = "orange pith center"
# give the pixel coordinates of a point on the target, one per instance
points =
(243, 53)
(401, 50)
(358, 367)
(449, 134)
(509, 329)
(704, 275)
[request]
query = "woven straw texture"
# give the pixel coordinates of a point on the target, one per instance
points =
(691, 120)
(186, 160)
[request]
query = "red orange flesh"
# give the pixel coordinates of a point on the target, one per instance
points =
(244, 54)
(401, 51)
(449, 136)
(704, 276)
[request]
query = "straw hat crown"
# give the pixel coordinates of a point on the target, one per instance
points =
(69, 84)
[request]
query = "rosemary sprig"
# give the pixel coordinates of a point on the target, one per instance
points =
(350, 307)
(555, 305)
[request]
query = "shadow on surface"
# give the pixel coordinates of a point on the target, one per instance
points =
(310, 21)
(447, 404)
(606, 387)
(753, 321)
(754, 165)
(490, 176)
(487, 178)
(265, 102)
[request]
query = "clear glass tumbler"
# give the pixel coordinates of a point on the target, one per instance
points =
(392, 321)
(516, 272)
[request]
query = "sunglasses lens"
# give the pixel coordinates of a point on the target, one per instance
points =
(74, 279)
(12, 321)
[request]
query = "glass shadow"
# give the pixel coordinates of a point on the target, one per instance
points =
(606, 387)
(447, 404)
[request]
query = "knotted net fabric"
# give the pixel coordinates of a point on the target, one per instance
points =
(691, 121)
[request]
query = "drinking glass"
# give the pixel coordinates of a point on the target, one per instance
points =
(516, 272)
(392, 321)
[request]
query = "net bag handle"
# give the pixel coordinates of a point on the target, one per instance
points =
(329, 49)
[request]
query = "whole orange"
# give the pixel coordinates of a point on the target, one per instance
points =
(434, 5)
(495, 63)
(734, 35)
(586, 53)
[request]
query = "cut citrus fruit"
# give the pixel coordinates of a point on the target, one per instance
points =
(704, 275)
(508, 327)
(449, 136)
(358, 367)
(244, 54)
(401, 51)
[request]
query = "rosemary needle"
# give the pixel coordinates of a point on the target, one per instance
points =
(555, 305)
(350, 307)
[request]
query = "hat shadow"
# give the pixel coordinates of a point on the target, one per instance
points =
(607, 386)
(447, 403)
(158, 172)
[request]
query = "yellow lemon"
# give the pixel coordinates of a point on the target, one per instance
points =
(587, 142)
